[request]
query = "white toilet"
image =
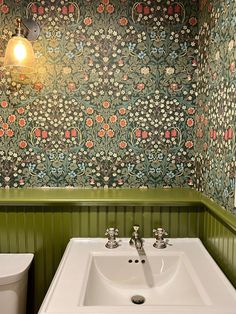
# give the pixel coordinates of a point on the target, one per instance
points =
(13, 282)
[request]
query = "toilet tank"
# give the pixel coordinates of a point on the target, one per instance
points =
(13, 282)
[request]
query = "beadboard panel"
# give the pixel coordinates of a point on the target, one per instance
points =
(45, 231)
(220, 241)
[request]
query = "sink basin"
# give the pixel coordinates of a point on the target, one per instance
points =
(163, 279)
(181, 278)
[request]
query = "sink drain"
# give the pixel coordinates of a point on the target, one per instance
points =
(138, 299)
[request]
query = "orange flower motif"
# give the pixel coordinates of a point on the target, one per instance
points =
(144, 134)
(1, 132)
(20, 110)
(88, 21)
(110, 133)
(189, 144)
(38, 86)
(113, 119)
(106, 104)
(12, 118)
(41, 10)
(106, 126)
(101, 133)
(67, 134)
(89, 144)
(192, 21)
(110, 8)
(89, 122)
(122, 144)
(4, 104)
(122, 111)
(123, 123)
(191, 110)
(106, 2)
(22, 122)
(73, 132)
(5, 9)
(37, 132)
(138, 133)
(100, 8)
(190, 122)
(10, 133)
(5, 126)
(140, 86)
(99, 118)
(89, 110)
(123, 21)
(23, 144)
(44, 134)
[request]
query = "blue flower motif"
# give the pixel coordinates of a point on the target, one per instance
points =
(54, 170)
(183, 46)
(153, 35)
(31, 166)
(142, 54)
(72, 174)
(150, 156)
(170, 175)
(140, 174)
(160, 156)
(173, 55)
(180, 167)
(152, 170)
(81, 166)
(154, 50)
(131, 46)
(70, 55)
(130, 167)
(79, 46)
(51, 156)
(161, 50)
(163, 34)
(61, 156)
(41, 174)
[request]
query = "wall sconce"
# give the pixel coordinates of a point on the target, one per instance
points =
(19, 55)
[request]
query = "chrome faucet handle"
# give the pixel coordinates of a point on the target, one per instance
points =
(159, 234)
(112, 233)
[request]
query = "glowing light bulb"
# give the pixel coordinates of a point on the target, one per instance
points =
(20, 52)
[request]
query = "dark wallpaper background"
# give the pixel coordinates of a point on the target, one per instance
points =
(112, 102)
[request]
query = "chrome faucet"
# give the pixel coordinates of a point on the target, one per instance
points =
(159, 234)
(112, 242)
(136, 239)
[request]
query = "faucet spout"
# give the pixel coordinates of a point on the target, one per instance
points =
(136, 239)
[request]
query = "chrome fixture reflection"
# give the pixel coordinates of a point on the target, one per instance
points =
(159, 234)
(112, 233)
(136, 239)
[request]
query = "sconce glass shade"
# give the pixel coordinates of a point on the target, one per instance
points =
(19, 56)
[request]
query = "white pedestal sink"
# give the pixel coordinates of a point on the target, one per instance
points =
(181, 278)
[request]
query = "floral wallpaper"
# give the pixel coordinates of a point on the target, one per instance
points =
(112, 100)
(216, 103)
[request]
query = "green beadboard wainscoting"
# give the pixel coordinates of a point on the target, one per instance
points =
(42, 222)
